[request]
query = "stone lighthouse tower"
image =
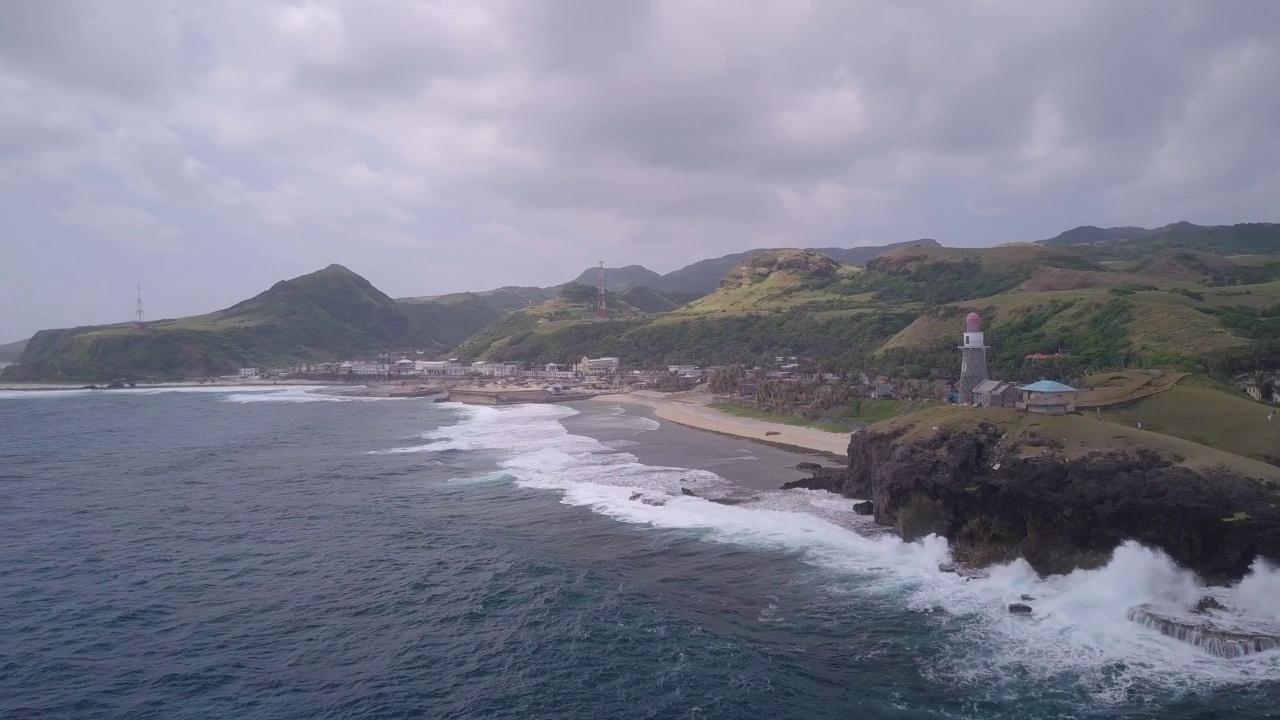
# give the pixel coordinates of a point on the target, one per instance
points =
(973, 358)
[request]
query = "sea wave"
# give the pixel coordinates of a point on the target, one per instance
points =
(1079, 631)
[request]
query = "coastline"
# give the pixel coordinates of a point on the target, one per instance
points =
(691, 410)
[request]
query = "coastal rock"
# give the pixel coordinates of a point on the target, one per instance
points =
(1026, 598)
(808, 466)
(864, 508)
(687, 491)
(1207, 603)
(1019, 608)
(771, 432)
(1213, 639)
(824, 478)
(1058, 514)
(656, 502)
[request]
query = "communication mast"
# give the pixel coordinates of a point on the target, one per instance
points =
(139, 319)
(602, 312)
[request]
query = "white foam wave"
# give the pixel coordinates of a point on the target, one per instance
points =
(1079, 630)
(297, 394)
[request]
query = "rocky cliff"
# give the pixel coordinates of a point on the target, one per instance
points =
(996, 499)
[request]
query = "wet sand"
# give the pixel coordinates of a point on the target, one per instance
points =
(692, 410)
(636, 428)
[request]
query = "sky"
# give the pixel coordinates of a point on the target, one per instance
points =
(209, 149)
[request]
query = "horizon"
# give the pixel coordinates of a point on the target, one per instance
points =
(208, 150)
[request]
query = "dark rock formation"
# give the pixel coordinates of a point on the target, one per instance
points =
(994, 506)
(1207, 603)
(864, 508)
(808, 466)
(1210, 638)
(1019, 609)
(1026, 598)
(687, 491)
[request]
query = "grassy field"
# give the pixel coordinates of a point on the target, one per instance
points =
(729, 409)
(869, 411)
(1079, 435)
(1115, 387)
(1198, 411)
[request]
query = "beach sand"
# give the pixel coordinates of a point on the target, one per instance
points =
(692, 409)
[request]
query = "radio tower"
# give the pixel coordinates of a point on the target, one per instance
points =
(140, 320)
(602, 313)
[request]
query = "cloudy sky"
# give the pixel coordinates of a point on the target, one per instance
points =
(207, 149)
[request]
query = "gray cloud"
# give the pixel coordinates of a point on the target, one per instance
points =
(207, 149)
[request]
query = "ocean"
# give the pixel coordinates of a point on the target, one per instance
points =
(280, 553)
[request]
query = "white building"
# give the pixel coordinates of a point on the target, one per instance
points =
(406, 367)
(493, 369)
(440, 368)
(683, 370)
(598, 366)
(249, 373)
(368, 368)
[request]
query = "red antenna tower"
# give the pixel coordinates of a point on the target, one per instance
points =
(602, 312)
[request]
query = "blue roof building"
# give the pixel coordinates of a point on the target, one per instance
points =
(1046, 398)
(1047, 386)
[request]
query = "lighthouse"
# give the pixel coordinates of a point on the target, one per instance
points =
(973, 358)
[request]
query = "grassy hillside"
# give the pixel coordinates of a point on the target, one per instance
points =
(1092, 295)
(1136, 243)
(619, 279)
(648, 300)
(704, 276)
(9, 352)
(1196, 409)
(771, 304)
(330, 314)
(1171, 307)
(1076, 435)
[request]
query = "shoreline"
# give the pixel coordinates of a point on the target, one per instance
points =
(694, 413)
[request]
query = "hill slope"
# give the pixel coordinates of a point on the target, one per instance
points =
(773, 303)
(330, 314)
(620, 279)
(9, 352)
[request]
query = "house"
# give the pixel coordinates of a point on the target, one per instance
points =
(1047, 398)
(598, 366)
(493, 369)
(249, 373)
(370, 368)
(882, 391)
(439, 368)
(996, 394)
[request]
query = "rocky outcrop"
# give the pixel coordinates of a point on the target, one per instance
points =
(1211, 638)
(994, 504)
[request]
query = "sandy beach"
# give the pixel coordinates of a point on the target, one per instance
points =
(692, 410)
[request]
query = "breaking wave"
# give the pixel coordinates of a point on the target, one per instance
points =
(1079, 631)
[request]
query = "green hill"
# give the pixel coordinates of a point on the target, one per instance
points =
(771, 303)
(326, 315)
(619, 279)
(10, 352)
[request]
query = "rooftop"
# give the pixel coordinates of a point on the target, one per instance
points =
(1047, 386)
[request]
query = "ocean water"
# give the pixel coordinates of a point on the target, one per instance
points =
(280, 553)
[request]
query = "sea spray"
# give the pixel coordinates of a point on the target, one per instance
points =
(1079, 629)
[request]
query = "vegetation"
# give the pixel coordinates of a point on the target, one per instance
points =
(327, 315)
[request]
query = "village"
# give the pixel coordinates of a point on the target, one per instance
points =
(788, 384)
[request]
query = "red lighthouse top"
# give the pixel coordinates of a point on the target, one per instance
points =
(973, 323)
